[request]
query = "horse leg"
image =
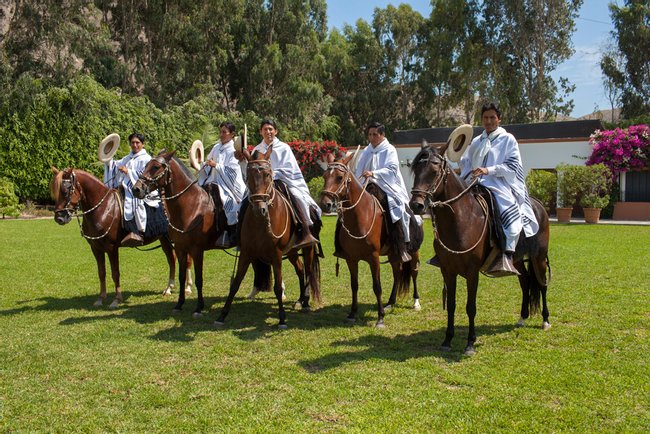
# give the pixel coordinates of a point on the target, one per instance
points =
(524, 282)
(376, 287)
(188, 281)
(168, 249)
(198, 275)
(415, 265)
(303, 299)
(450, 283)
(277, 289)
(242, 267)
(540, 266)
(101, 272)
(182, 275)
(395, 266)
(470, 309)
(114, 259)
(353, 267)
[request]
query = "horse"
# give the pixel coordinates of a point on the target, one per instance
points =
(75, 190)
(462, 240)
(190, 211)
(268, 233)
(363, 236)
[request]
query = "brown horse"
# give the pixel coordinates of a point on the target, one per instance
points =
(363, 236)
(268, 233)
(462, 240)
(75, 190)
(193, 222)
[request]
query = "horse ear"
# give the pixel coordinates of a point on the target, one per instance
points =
(425, 144)
(247, 154)
(54, 170)
(348, 158)
(329, 158)
(268, 153)
(170, 155)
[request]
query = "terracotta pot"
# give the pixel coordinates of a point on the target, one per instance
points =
(592, 215)
(563, 214)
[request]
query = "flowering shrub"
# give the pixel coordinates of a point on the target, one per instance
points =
(308, 154)
(621, 150)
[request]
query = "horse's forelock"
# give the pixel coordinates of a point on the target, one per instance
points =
(55, 186)
(424, 154)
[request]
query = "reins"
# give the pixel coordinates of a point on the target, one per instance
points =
(268, 197)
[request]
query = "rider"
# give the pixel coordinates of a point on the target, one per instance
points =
(139, 215)
(220, 174)
(379, 165)
(494, 158)
(286, 170)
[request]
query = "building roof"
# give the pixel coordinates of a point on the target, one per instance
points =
(543, 131)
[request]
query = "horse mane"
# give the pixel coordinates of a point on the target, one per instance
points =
(55, 185)
(185, 169)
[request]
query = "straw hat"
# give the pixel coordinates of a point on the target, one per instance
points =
(458, 141)
(197, 154)
(108, 147)
(241, 141)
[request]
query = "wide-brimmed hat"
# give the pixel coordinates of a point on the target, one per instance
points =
(197, 154)
(458, 141)
(108, 147)
(241, 141)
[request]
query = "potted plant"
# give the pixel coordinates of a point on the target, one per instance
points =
(542, 185)
(568, 186)
(596, 183)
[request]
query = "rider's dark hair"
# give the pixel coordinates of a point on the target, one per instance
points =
(231, 127)
(491, 106)
(268, 122)
(136, 135)
(380, 127)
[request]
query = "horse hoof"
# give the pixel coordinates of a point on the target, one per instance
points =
(218, 323)
(388, 308)
(521, 322)
(469, 351)
(546, 325)
(351, 320)
(283, 326)
(188, 290)
(176, 311)
(98, 303)
(114, 305)
(297, 305)
(284, 297)
(416, 305)
(196, 315)
(252, 294)
(305, 309)
(380, 325)
(167, 292)
(445, 348)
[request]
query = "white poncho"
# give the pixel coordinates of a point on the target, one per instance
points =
(286, 169)
(499, 154)
(133, 207)
(227, 175)
(383, 162)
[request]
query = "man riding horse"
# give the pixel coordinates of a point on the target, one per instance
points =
(140, 216)
(493, 157)
(379, 166)
(287, 171)
(220, 174)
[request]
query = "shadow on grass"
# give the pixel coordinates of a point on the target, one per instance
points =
(400, 348)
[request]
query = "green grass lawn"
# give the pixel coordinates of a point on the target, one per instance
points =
(66, 366)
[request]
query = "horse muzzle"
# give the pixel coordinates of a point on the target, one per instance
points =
(139, 190)
(62, 217)
(327, 205)
(261, 208)
(417, 205)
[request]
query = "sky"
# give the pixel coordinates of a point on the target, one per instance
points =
(592, 33)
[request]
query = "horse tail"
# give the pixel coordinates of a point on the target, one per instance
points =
(404, 278)
(262, 279)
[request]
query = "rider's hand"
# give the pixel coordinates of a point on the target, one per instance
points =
(123, 169)
(367, 174)
(211, 163)
(479, 171)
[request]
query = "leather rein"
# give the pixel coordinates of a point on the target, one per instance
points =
(269, 196)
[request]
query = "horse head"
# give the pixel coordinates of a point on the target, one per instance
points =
(430, 169)
(66, 193)
(156, 174)
(337, 176)
(259, 180)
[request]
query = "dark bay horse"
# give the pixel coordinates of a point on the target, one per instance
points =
(193, 225)
(75, 190)
(269, 233)
(462, 240)
(364, 237)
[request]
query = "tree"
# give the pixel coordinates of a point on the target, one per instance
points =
(611, 63)
(632, 76)
(528, 40)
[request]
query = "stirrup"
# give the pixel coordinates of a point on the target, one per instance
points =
(132, 240)
(502, 266)
(435, 261)
(306, 241)
(224, 241)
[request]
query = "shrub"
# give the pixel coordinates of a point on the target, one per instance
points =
(621, 150)
(568, 185)
(542, 185)
(315, 187)
(308, 154)
(595, 185)
(9, 205)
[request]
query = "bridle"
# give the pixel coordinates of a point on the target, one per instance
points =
(344, 189)
(68, 186)
(430, 203)
(268, 196)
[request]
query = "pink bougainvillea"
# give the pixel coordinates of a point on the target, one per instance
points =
(308, 154)
(621, 150)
